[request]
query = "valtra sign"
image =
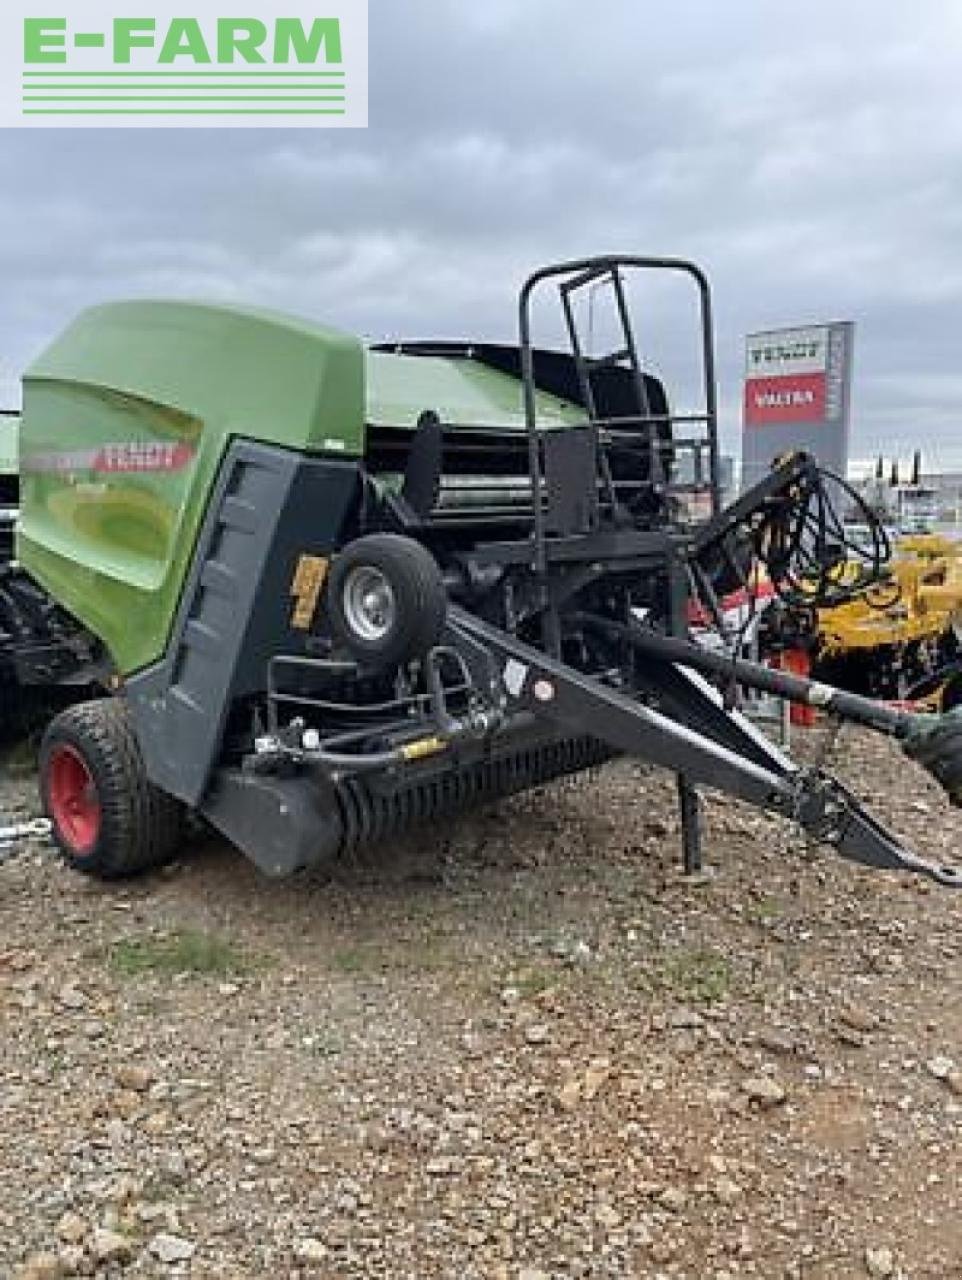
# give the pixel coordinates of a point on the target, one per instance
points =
(797, 384)
(785, 399)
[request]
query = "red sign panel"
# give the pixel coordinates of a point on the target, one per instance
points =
(792, 397)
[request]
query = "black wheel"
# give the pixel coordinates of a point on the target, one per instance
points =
(386, 599)
(108, 818)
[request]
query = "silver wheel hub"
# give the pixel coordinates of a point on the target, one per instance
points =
(369, 604)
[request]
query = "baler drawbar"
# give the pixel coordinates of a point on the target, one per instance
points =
(315, 593)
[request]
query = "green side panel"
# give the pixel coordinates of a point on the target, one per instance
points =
(462, 392)
(125, 421)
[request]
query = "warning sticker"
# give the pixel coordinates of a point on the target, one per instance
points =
(306, 589)
(514, 675)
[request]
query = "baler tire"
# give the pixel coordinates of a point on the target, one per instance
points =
(137, 825)
(420, 599)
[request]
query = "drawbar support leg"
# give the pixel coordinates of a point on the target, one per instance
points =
(688, 803)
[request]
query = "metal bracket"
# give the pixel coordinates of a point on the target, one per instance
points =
(685, 741)
(830, 812)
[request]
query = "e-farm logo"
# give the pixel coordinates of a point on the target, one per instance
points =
(119, 65)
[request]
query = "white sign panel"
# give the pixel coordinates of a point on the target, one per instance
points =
(787, 351)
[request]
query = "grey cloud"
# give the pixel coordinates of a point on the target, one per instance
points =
(807, 155)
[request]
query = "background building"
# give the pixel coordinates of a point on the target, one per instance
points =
(930, 486)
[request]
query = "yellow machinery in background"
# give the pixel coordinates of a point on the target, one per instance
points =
(901, 638)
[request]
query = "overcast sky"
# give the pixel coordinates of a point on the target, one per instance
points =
(808, 154)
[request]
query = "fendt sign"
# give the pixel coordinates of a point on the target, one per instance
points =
(797, 396)
(97, 65)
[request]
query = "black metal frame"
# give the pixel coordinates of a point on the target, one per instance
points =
(698, 738)
(41, 645)
(578, 274)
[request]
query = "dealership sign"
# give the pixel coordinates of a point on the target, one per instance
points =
(796, 375)
(97, 63)
(797, 395)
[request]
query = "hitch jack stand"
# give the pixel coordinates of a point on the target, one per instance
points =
(689, 805)
(690, 808)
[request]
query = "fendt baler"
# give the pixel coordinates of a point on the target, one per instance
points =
(313, 593)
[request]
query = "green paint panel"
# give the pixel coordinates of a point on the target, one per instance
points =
(462, 391)
(128, 415)
(126, 419)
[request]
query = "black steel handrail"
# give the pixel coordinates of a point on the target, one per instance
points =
(584, 270)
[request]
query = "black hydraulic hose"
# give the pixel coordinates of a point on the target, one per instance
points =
(753, 675)
(331, 754)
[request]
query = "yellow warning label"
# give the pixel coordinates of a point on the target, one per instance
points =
(306, 589)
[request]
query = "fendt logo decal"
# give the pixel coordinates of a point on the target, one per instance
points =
(112, 459)
(92, 66)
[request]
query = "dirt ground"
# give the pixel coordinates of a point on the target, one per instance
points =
(517, 1046)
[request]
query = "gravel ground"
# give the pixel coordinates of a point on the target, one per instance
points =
(519, 1046)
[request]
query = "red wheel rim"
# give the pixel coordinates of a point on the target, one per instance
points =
(73, 799)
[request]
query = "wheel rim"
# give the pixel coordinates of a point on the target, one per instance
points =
(72, 794)
(370, 608)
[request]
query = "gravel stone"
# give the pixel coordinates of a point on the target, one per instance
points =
(727, 1190)
(72, 1228)
(40, 1266)
(311, 1252)
(879, 1262)
(73, 1260)
(107, 1245)
(134, 1078)
(764, 1091)
(171, 1249)
(412, 1078)
(940, 1067)
(71, 997)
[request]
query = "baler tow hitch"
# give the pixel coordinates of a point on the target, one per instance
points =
(678, 720)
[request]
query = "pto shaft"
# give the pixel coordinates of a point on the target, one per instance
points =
(848, 706)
